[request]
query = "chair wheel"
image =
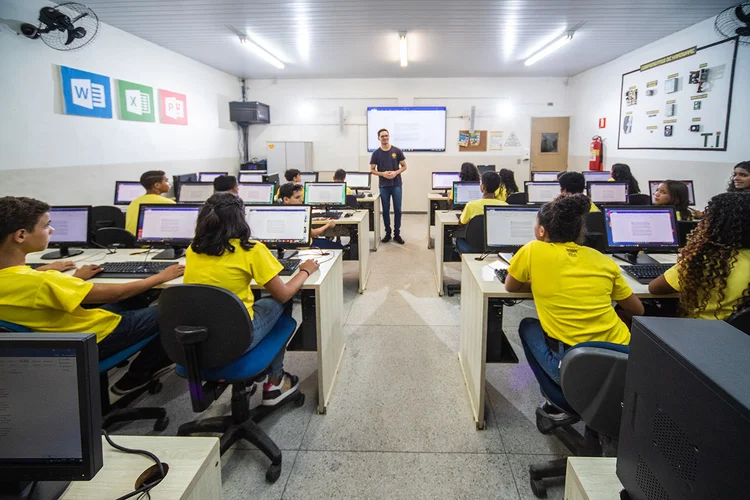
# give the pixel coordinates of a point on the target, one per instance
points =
(161, 424)
(300, 400)
(155, 388)
(273, 473)
(538, 488)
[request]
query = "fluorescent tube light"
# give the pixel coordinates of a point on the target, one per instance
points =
(549, 48)
(404, 49)
(263, 53)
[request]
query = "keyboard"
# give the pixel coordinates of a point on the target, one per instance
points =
(131, 270)
(644, 273)
(501, 274)
(290, 265)
(327, 215)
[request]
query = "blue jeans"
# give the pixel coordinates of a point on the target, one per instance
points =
(385, 198)
(266, 312)
(463, 246)
(135, 326)
(534, 344)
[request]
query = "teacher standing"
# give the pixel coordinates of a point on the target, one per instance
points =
(388, 162)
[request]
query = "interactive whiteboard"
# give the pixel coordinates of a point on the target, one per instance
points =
(410, 128)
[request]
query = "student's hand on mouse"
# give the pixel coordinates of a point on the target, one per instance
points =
(88, 271)
(172, 272)
(310, 266)
(62, 266)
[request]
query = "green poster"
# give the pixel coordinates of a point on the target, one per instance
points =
(136, 102)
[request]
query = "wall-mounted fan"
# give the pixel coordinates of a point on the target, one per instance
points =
(735, 22)
(67, 26)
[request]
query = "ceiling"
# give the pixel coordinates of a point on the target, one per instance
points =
(359, 38)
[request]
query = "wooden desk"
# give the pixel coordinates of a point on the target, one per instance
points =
(443, 222)
(372, 205)
(435, 202)
(325, 287)
(588, 478)
(478, 287)
(194, 469)
(361, 221)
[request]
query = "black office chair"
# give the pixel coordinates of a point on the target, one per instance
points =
(594, 234)
(212, 347)
(106, 216)
(741, 320)
(517, 199)
(592, 378)
(474, 236)
(639, 199)
(114, 237)
(351, 201)
(684, 228)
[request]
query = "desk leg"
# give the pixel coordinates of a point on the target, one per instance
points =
(364, 255)
(330, 320)
(431, 207)
(499, 349)
(472, 351)
(376, 223)
(439, 243)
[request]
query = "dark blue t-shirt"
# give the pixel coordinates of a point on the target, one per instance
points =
(388, 160)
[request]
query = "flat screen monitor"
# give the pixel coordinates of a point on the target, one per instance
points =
(444, 180)
(654, 185)
(126, 191)
(542, 192)
(195, 192)
(71, 228)
(325, 193)
(635, 228)
(508, 228)
(608, 192)
(257, 192)
(544, 176)
(250, 177)
(271, 179)
(210, 176)
(358, 180)
(596, 176)
(280, 226)
(464, 192)
(309, 177)
(485, 168)
(50, 407)
(173, 225)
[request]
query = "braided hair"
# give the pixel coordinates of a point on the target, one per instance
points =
(221, 219)
(563, 218)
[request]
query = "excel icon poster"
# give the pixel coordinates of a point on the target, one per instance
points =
(86, 94)
(136, 102)
(172, 108)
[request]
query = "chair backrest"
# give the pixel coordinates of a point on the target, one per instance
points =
(114, 236)
(517, 199)
(475, 232)
(684, 228)
(222, 313)
(639, 199)
(592, 377)
(106, 216)
(351, 201)
(594, 235)
(741, 320)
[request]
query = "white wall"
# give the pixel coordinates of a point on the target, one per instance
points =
(596, 93)
(308, 110)
(53, 156)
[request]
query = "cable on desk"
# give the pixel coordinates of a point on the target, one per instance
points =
(146, 488)
(483, 256)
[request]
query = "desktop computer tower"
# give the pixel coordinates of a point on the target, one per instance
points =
(685, 431)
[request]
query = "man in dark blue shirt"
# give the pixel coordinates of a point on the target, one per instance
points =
(388, 162)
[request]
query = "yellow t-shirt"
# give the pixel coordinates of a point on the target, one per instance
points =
(594, 208)
(349, 191)
(50, 301)
(573, 289)
(501, 193)
(131, 216)
(736, 285)
(476, 207)
(233, 270)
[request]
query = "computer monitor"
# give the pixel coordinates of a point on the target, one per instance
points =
(126, 191)
(328, 194)
(485, 168)
(635, 228)
(444, 180)
(538, 192)
(686, 411)
(257, 192)
(250, 177)
(210, 176)
(464, 192)
(271, 179)
(280, 226)
(177, 181)
(506, 228)
(653, 186)
(171, 225)
(71, 225)
(50, 412)
(309, 177)
(358, 180)
(544, 176)
(611, 193)
(596, 176)
(195, 192)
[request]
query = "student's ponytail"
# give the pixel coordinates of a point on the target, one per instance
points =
(563, 218)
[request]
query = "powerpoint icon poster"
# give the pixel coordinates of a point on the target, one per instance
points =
(86, 94)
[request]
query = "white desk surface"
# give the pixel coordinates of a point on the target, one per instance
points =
(592, 478)
(355, 217)
(442, 218)
(369, 199)
(436, 197)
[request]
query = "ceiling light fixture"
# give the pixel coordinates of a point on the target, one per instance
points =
(260, 51)
(404, 49)
(549, 48)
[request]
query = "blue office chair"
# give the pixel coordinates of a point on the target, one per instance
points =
(207, 330)
(592, 379)
(118, 412)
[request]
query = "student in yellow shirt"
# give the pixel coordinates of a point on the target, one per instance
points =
(573, 287)
(223, 255)
(489, 184)
(574, 183)
(340, 176)
(228, 184)
(508, 184)
(291, 175)
(51, 301)
(468, 173)
(674, 193)
(291, 194)
(713, 270)
(156, 184)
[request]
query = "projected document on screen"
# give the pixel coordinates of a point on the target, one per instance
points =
(509, 226)
(640, 227)
(279, 224)
(410, 128)
(167, 223)
(70, 224)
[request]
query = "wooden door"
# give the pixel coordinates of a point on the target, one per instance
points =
(549, 144)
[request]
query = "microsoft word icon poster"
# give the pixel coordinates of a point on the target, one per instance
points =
(136, 102)
(86, 94)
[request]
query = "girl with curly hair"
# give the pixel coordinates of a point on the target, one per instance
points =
(712, 273)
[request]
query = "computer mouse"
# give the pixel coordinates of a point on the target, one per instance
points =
(348, 214)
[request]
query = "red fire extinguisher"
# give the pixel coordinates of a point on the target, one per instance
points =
(596, 161)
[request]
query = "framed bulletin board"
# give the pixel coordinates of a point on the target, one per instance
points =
(472, 141)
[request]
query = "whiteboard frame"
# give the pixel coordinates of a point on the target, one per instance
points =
(416, 108)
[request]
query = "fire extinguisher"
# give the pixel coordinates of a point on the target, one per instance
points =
(596, 161)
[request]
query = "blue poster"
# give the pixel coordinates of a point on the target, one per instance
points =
(86, 94)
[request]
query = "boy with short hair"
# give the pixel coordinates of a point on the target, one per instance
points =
(293, 175)
(226, 183)
(291, 194)
(489, 185)
(156, 184)
(340, 176)
(574, 183)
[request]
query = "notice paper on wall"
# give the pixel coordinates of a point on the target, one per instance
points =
(496, 140)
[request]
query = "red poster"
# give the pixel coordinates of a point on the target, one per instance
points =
(173, 108)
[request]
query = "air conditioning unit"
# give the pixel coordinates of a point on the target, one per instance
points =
(249, 113)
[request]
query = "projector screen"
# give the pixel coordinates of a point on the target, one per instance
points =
(411, 129)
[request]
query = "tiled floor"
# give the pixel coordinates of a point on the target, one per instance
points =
(399, 424)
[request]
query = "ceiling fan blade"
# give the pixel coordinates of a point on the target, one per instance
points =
(740, 13)
(80, 17)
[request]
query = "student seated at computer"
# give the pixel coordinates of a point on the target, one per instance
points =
(713, 270)
(469, 173)
(573, 287)
(291, 175)
(291, 194)
(508, 184)
(574, 183)
(674, 193)
(223, 255)
(226, 184)
(488, 186)
(621, 173)
(156, 184)
(51, 301)
(340, 176)
(740, 179)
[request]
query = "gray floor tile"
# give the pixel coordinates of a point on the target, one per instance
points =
(243, 475)
(400, 476)
(520, 466)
